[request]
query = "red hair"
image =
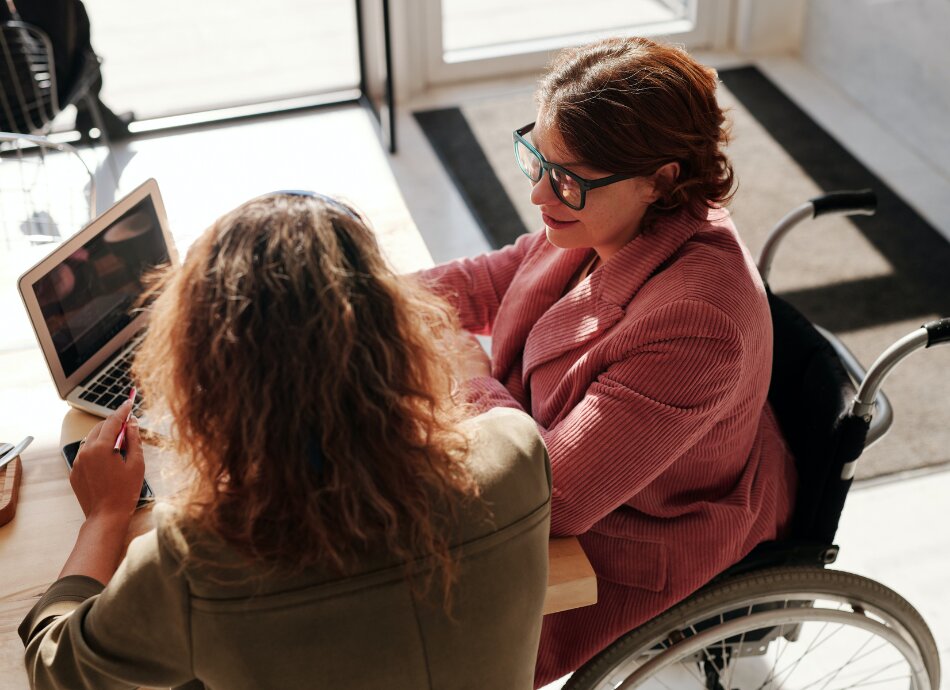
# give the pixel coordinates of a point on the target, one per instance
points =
(631, 105)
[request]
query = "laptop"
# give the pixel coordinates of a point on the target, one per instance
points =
(83, 299)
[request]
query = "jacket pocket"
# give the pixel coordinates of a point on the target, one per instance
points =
(627, 561)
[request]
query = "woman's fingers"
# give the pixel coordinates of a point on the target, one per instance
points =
(112, 425)
(94, 433)
(108, 430)
(134, 453)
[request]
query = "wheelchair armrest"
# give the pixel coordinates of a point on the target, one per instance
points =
(884, 413)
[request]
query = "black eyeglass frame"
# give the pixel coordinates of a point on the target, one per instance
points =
(546, 167)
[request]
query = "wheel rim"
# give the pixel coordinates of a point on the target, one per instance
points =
(838, 643)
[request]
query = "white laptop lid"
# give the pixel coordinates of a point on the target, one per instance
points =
(82, 297)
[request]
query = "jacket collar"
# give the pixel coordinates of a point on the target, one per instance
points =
(563, 323)
(644, 255)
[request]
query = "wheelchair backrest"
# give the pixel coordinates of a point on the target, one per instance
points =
(810, 393)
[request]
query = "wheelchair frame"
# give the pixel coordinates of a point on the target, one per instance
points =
(768, 596)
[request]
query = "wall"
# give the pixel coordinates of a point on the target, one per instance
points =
(769, 27)
(893, 58)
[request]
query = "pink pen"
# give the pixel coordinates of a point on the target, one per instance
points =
(120, 439)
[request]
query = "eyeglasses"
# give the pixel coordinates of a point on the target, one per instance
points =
(569, 187)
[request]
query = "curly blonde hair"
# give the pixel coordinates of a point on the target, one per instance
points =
(309, 388)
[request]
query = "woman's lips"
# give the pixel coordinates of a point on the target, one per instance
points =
(555, 224)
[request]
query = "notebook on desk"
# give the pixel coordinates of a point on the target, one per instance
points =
(82, 300)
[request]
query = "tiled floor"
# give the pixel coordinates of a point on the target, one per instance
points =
(893, 531)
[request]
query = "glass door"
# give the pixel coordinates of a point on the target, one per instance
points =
(182, 63)
(177, 57)
(491, 38)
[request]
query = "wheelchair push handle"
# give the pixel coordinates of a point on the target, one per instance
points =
(931, 333)
(938, 331)
(928, 335)
(862, 201)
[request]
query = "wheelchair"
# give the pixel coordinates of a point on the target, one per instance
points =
(779, 618)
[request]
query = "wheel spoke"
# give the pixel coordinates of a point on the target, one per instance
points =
(688, 667)
(878, 682)
(722, 648)
(813, 645)
(778, 657)
(699, 681)
(852, 658)
(732, 667)
(706, 651)
(742, 633)
(871, 675)
(855, 658)
(660, 681)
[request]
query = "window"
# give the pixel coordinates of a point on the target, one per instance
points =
(183, 57)
(467, 39)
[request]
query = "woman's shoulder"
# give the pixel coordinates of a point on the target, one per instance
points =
(718, 233)
(509, 463)
(212, 568)
(171, 531)
(713, 266)
(505, 441)
(717, 230)
(182, 543)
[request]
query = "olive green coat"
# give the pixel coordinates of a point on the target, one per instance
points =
(166, 621)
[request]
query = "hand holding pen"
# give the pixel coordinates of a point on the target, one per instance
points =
(102, 482)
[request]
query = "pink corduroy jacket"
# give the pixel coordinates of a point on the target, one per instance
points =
(648, 381)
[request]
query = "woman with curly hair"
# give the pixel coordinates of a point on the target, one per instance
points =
(341, 524)
(636, 332)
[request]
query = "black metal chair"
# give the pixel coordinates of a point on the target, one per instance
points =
(47, 188)
(30, 95)
(28, 99)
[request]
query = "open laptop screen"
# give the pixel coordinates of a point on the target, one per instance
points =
(90, 296)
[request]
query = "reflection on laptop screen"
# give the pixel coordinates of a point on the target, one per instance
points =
(90, 297)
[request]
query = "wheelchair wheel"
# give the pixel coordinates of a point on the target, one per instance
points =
(787, 627)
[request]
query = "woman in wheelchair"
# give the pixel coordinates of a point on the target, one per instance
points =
(331, 481)
(635, 329)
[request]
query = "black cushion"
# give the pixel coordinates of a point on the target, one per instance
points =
(811, 393)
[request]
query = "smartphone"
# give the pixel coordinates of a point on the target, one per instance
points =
(69, 454)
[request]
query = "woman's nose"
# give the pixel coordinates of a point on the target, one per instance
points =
(542, 193)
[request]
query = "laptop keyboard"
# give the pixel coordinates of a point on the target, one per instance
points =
(110, 388)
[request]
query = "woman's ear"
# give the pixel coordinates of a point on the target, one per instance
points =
(664, 179)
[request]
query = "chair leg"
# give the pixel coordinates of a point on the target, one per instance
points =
(92, 103)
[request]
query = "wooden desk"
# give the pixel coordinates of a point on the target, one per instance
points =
(34, 546)
(571, 580)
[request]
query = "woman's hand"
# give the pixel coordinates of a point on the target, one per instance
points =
(473, 360)
(105, 483)
(107, 486)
